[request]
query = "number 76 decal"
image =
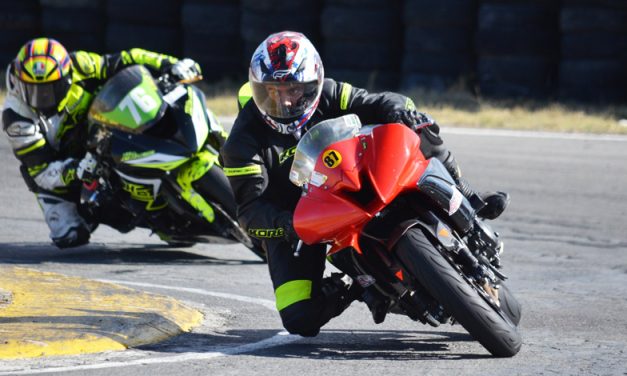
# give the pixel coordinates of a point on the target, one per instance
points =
(138, 98)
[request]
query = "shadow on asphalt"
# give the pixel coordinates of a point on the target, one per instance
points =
(331, 345)
(36, 253)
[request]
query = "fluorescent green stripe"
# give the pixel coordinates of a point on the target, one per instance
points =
(162, 166)
(292, 292)
(409, 104)
(345, 95)
(239, 171)
(34, 146)
(189, 174)
(244, 94)
(32, 171)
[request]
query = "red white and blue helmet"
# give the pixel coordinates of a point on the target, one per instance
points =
(286, 77)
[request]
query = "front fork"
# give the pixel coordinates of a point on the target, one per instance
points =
(381, 278)
(189, 173)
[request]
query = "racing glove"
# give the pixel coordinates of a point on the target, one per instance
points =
(57, 174)
(414, 119)
(186, 70)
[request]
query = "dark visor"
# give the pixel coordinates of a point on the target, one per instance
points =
(45, 96)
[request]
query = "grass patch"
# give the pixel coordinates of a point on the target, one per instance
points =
(460, 108)
(463, 109)
(223, 105)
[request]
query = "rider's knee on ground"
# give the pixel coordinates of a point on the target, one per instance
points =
(75, 237)
(67, 227)
(301, 318)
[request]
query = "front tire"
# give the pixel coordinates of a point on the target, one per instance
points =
(216, 189)
(509, 304)
(487, 324)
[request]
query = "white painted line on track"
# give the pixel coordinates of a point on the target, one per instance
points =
(531, 134)
(281, 338)
(263, 302)
(278, 339)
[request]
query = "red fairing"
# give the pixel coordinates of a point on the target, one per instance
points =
(389, 158)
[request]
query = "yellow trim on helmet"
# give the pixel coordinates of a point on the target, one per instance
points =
(42, 60)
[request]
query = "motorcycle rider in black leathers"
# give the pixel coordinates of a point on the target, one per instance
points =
(48, 94)
(290, 94)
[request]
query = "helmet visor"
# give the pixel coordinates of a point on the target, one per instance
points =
(285, 100)
(45, 96)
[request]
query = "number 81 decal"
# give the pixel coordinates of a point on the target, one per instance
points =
(332, 158)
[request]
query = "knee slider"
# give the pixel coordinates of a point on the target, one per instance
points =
(75, 237)
(299, 319)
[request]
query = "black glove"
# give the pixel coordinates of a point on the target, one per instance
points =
(186, 70)
(414, 119)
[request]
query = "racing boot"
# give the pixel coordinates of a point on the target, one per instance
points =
(338, 292)
(377, 304)
(491, 204)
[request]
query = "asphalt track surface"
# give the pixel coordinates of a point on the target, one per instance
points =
(566, 256)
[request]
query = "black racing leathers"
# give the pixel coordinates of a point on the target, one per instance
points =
(257, 161)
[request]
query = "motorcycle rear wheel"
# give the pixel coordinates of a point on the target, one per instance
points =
(486, 323)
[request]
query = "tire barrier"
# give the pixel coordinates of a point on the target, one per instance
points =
(362, 44)
(78, 24)
(261, 18)
(19, 22)
(517, 48)
(540, 49)
(438, 44)
(150, 24)
(593, 66)
(211, 36)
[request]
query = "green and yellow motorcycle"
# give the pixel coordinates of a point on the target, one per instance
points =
(155, 144)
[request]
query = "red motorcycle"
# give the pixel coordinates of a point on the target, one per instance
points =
(397, 224)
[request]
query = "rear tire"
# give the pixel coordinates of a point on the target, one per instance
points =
(487, 324)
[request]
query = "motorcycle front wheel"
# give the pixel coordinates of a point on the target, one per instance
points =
(486, 323)
(509, 304)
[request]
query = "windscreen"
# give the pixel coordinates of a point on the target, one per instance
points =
(129, 100)
(316, 140)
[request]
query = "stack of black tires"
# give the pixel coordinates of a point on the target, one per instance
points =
(362, 42)
(517, 48)
(77, 24)
(211, 37)
(19, 22)
(593, 65)
(149, 24)
(261, 18)
(438, 46)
